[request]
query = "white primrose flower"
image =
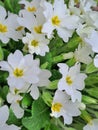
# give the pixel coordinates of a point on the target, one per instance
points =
(86, 5)
(36, 43)
(14, 99)
(31, 7)
(19, 30)
(4, 114)
(57, 17)
(7, 29)
(83, 52)
(93, 40)
(74, 7)
(84, 31)
(32, 23)
(22, 69)
(43, 82)
(92, 125)
(91, 19)
(63, 106)
(72, 80)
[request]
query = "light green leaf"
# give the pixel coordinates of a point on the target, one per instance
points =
(91, 68)
(1, 53)
(12, 5)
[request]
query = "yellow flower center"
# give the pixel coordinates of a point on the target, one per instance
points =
(69, 80)
(34, 43)
(3, 28)
(56, 107)
(18, 72)
(55, 20)
(18, 101)
(19, 28)
(76, 1)
(31, 9)
(38, 29)
(16, 90)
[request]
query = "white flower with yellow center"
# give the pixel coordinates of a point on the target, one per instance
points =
(57, 17)
(22, 69)
(4, 114)
(92, 125)
(72, 80)
(14, 99)
(83, 53)
(7, 28)
(37, 44)
(32, 6)
(32, 23)
(63, 106)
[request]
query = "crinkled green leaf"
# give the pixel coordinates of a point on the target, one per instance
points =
(39, 118)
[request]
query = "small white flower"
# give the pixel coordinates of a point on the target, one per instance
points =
(92, 125)
(22, 69)
(32, 23)
(32, 6)
(63, 106)
(84, 31)
(93, 40)
(57, 17)
(43, 82)
(4, 114)
(86, 5)
(72, 80)
(36, 43)
(7, 29)
(82, 53)
(14, 99)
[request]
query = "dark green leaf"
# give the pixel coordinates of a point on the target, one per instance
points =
(39, 118)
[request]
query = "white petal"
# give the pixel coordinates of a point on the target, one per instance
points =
(4, 114)
(15, 59)
(18, 111)
(63, 68)
(67, 119)
(10, 127)
(96, 61)
(2, 13)
(64, 33)
(34, 92)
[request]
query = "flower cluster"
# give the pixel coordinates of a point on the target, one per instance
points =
(49, 52)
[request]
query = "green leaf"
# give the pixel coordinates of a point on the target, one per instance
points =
(91, 68)
(93, 92)
(1, 53)
(1, 3)
(53, 85)
(4, 91)
(47, 97)
(39, 118)
(12, 5)
(91, 80)
(26, 101)
(89, 100)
